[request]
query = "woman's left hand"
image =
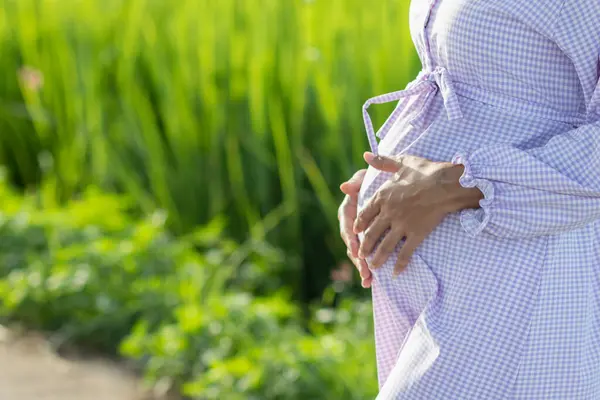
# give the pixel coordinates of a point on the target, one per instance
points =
(411, 204)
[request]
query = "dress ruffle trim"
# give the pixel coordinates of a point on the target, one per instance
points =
(472, 220)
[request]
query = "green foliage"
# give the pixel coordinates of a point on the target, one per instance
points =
(203, 107)
(191, 309)
(260, 358)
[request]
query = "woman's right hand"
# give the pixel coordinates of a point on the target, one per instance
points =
(347, 215)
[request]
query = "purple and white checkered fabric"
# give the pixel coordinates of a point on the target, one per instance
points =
(503, 301)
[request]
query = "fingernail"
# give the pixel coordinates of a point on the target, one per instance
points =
(397, 272)
(369, 157)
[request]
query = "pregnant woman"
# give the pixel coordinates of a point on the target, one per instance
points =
(483, 194)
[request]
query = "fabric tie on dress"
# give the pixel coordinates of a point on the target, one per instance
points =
(425, 86)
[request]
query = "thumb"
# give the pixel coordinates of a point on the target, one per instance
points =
(352, 185)
(383, 163)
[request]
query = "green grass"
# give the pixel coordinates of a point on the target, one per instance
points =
(203, 107)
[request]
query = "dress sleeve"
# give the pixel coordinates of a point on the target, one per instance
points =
(545, 190)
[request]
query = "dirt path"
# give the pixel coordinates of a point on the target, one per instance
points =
(29, 370)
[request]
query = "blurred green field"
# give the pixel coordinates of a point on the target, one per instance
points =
(248, 111)
(203, 107)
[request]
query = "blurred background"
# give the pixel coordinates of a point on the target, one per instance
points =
(169, 187)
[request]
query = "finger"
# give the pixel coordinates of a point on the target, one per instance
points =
(363, 268)
(354, 245)
(347, 232)
(365, 274)
(348, 200)
(383, 163)
(347, 209)
(354, 260)
(350, 206)
(350, 256)
(366, 283)
(352, 185)
(372, 235)
(357, 265)
(366, 215)
(406, 252)
(386, 247)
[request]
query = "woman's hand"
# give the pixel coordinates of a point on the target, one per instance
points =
(410, 205)
(347, 215)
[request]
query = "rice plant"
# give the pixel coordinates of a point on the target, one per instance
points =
(202, 107)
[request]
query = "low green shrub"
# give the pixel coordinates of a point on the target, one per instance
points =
(240, 350)
(204, 313)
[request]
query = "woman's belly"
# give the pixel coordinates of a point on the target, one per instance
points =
(448, 270)
(480, 297)
(441, 257)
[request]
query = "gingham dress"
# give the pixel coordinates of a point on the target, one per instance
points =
(502, 301)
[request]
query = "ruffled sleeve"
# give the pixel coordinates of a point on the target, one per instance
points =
(474, 220)
(540, 191)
